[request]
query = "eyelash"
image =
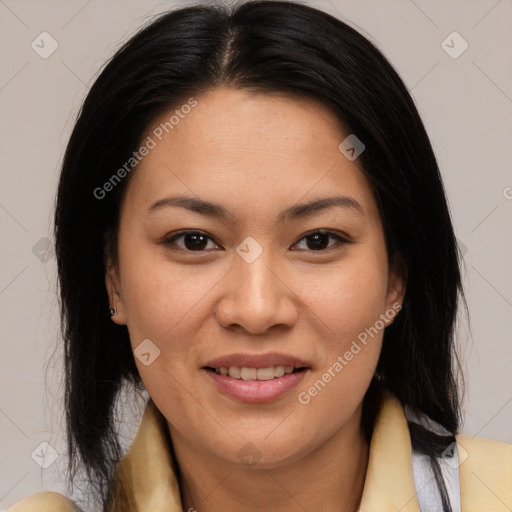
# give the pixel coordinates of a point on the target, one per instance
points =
(169, 241)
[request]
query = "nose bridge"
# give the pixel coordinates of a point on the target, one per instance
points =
(254, 274)
(256, 297)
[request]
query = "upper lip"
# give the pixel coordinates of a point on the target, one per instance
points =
(256, 361)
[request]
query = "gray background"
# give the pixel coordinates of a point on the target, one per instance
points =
(465, 102)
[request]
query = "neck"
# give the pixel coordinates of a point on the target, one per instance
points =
(330, 476)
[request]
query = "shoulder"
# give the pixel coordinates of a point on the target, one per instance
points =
(44, 502)
(485, 470)
(485, 453)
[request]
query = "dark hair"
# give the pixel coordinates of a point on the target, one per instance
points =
(266, 46)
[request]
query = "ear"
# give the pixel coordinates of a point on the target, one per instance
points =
(112, 283)
(397, 282)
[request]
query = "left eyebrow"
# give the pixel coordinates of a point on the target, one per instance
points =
(302, 210)
(318, 205)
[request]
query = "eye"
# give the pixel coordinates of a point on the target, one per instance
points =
(193, 241)
(319, 240)
(196, 241)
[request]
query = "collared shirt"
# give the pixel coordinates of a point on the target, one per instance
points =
(146, 478)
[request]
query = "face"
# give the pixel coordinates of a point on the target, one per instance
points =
(235, 285)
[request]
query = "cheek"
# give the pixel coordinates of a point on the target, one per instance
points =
(348, 300)
(161, 298)
(168, 306)
(350, 306)
(348, 297)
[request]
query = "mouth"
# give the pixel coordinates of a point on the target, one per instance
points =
(256, 378)
(261, 374)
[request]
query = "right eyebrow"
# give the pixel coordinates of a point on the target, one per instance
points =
(193, 204)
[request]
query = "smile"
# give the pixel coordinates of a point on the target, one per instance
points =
(246, 373)
(255, 385)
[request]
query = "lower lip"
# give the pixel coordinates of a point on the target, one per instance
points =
(256, 391)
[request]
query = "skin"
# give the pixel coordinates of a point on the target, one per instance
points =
(256, 154)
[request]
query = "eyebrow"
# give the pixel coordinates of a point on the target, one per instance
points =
(294, 212)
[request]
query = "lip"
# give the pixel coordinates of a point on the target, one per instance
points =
(256, 391)
(257, 361)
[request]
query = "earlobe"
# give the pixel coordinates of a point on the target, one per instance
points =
(394, 304)
(116, 307)
(396, 288)
(396, 294)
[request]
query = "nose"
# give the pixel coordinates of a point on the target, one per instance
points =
(257, 297)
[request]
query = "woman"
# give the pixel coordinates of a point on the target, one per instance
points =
(251, 226)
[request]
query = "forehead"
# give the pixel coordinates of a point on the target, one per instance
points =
(246, 149)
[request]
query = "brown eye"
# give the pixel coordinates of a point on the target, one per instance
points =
(193, 241)
(319, 240)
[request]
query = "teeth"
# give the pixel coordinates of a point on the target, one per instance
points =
(248, 373)
(265, 373)
(234, 372)
(279, 371)
(244, 373)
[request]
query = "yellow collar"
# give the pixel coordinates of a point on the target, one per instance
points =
(146, 477)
